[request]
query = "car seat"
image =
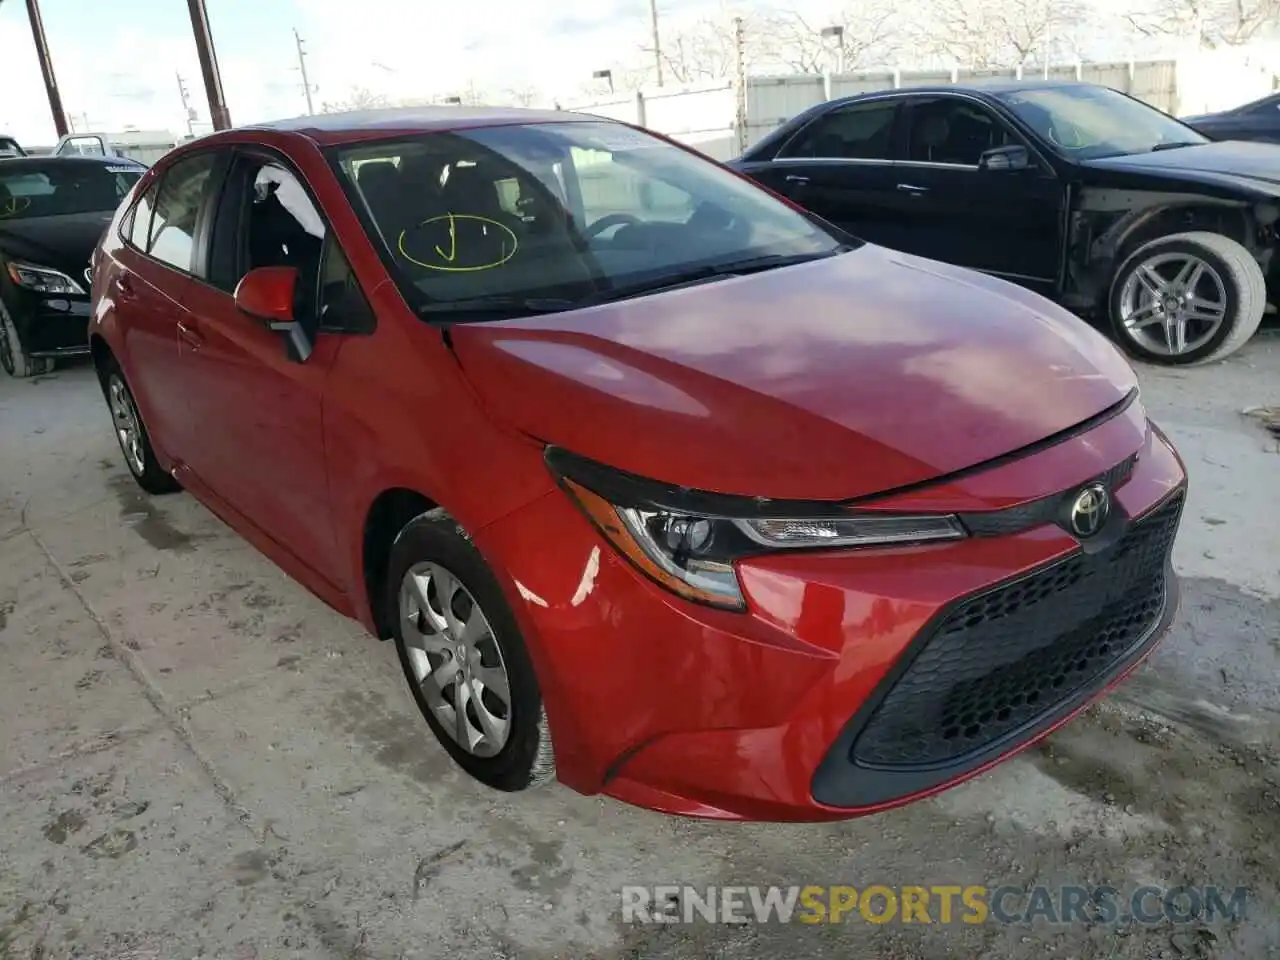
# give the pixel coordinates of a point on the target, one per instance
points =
(930, 137)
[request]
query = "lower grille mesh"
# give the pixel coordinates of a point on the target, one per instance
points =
(1002, 659)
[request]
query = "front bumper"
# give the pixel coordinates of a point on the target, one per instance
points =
(834, 696)
(54, 326)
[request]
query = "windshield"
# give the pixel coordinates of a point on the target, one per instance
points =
(563, 213)
(1088, 122)
(56, 188)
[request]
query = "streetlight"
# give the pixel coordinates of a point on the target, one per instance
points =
(837, 34)
(604, 75)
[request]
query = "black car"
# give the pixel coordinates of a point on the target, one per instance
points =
(1258, 120)
(1079, 192)
(53, 210)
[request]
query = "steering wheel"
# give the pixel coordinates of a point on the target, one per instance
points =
(607, 221)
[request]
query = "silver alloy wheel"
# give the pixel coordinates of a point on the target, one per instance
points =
(128, 424)
(1173, 303)
(456, 660)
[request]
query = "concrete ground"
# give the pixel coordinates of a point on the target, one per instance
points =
(199, 759)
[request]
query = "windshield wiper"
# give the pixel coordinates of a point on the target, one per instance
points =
(1174, 145)
(508, 307)
(714, 271)
(505, 307)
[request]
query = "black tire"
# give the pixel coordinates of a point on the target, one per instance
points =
(147, 471)
(13, 355)
(527, 757)
(1243, 283)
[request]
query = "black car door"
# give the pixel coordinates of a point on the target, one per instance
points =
(1006, 222)
(840, 166)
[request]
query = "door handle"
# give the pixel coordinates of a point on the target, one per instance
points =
(912, 188)
(125, 285)
(796, 178)
(190, 336)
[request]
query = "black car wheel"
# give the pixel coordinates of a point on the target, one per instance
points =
(1187, 298)
(13, 356)
(131, 433)
(462, 653)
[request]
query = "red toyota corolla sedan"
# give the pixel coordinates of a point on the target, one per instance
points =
(657, 482)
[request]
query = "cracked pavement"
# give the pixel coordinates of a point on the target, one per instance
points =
(200, 759)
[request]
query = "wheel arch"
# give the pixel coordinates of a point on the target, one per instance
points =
(388, 513)
(102, 354)
(1107, 240)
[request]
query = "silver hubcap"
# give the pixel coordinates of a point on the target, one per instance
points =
(455, 659)
(1173, 303)
(128, 426)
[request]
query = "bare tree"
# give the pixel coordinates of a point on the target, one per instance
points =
(982, 34)
(1212, 24)
(699, 52)
(360, 98)
(868, 34)
(521, 96)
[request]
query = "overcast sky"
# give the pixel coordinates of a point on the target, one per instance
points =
(121, 69)
(116, 69)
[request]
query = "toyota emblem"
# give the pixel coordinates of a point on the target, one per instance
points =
(1090, 511)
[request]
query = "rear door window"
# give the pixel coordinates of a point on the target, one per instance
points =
(860, 131)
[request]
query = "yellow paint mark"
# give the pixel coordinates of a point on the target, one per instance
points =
(505, 252)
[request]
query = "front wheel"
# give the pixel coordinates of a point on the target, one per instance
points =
(1187, 298)
(464, 657)
(13, 355)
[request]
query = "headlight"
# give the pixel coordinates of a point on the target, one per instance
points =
(688, 542)
(42, 279)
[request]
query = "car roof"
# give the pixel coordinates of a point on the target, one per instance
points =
(327, 128)
(44, 160)
(988, 89)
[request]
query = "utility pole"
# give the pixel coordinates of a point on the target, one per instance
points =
(657, 43)
(218, 112)
(186, 105)
(740, 81)
(46, 67)
(302, 66)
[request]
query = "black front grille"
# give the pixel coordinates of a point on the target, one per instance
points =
(1000, 523)
(1006, 657)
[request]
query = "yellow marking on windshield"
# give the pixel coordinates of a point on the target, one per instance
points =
(14, 206)
(453, 241)
(506, 249)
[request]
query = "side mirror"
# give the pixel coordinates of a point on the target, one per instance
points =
(267, 294)
(1015, 157)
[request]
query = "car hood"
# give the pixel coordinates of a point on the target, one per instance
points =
(1230, 159)
(829, 380)
(65, 243)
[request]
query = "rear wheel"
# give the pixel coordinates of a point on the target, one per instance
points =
(1187, 298)
(131, 433)
(464, 658)
(13, 356)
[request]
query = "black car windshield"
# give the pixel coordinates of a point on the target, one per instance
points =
(534, 217)
(1087, 122)
(53, 188)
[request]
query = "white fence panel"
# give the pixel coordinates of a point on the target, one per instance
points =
(628, 110)
(701, 117)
